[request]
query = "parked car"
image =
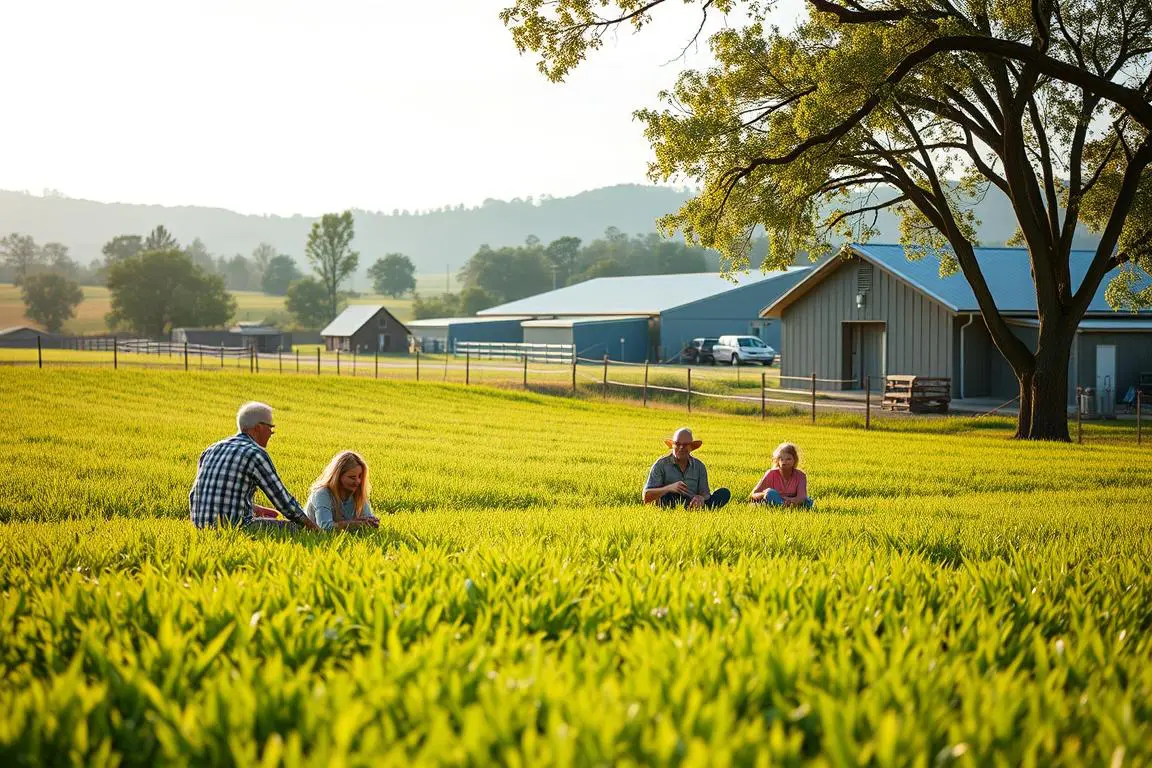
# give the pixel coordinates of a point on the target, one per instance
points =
(699, 351)
(737, 350)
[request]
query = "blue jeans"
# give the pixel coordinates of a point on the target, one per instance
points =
(719, 498)
(773, 498)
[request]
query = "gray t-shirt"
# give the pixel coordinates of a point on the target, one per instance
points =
(666, 471)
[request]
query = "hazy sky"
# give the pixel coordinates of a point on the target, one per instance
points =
(305, 106)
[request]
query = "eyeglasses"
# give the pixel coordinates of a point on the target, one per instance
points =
(267, 424)
(682, 445)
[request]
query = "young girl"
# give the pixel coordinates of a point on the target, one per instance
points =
(340, 495)
(784, 484)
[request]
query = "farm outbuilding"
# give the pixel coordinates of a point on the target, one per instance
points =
(441, 334)
(872, 312)
(621, 338)
(262, 338)
(24, 337)
(656, 315)
(366, 328)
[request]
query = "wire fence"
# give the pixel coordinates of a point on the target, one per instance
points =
(556, 371)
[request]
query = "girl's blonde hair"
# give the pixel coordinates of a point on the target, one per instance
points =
(330, 479)
(782, 449)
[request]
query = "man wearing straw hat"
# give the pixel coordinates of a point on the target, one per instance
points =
(680, 478)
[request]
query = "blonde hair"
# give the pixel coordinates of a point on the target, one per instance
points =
(782, 449)
(330, 479)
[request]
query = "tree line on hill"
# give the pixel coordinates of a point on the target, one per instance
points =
(156, 284)
(497, 275)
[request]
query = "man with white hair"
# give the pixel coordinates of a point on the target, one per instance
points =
(678, 477)
(231, 470)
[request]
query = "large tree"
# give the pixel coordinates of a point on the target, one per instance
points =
(161, 290)
(121, 247)
(279, 275)
(329, 251)
(917, 106)
(50, 299)
(21, 253)
(160, 239)
(394, 275)
(308, 302)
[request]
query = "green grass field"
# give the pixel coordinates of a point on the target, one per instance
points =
(250, 305)
(954, 599)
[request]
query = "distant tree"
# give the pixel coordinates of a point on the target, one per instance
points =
(329, 251)
(609, 267)
(444, 305)
(121, 247)
(262, 256)
(393, 275)
(161, 290)
(237, 273)
(473, 299)
(200, 255)
(55, 257)
(50, 299)
(508, 273)
(160, 239)
(20, 253)
(308, 303)
(562, 254)
(279, 275)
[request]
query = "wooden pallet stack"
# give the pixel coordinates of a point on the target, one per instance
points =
(917, 394)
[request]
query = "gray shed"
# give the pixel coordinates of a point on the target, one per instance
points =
(873, 312)
(366, 328)
(676, 308)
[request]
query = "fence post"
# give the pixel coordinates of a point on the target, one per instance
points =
(525, 369)
(417, 365)
(376, 364)
(868, 402)
(317, 361)
(221, 354)
(573, 373)
(353, 361)
(185, 355)
(813, 397)
(763, 401)
(337, 362)
(605, 393)
(256, 359)
(201, 357)
(1079, 422)
(115, 353)
(39, 353)
(645, 383)
(689, 390)
(467, 367)
(280, 358)
(1139, 406)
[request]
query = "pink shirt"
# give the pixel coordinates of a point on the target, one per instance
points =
(795, 488)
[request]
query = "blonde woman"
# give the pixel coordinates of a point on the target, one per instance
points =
(784, 485)
(339, 497)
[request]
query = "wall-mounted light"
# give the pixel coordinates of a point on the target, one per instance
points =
(860, 301)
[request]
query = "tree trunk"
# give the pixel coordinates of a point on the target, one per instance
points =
(1044, 389)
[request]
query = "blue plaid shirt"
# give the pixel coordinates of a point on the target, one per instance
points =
(229, 473)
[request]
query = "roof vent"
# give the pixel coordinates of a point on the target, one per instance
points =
(864, 279)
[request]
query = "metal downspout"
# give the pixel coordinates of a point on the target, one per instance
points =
(962, 377)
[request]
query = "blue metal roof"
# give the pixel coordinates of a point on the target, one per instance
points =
(632, 295)
(1007, 271)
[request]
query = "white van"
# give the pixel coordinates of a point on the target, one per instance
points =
(738, 350)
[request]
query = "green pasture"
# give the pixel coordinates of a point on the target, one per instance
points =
(956, 597)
